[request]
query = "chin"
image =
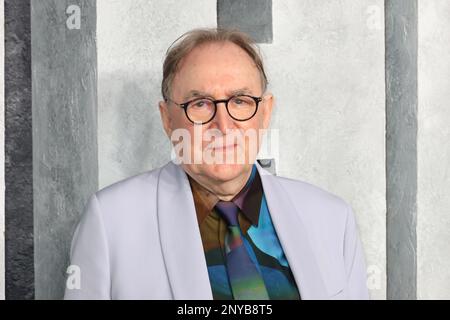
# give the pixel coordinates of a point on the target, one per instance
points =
(222, 172)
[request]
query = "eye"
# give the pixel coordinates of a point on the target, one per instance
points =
(242, 101)
(202, 103)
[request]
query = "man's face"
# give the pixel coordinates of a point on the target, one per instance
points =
(217, 71)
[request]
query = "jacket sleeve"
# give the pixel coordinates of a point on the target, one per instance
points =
(355, 266)
(89, 272)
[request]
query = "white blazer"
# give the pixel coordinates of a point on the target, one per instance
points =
(139, 239)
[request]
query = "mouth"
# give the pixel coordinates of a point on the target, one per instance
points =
(224, 148)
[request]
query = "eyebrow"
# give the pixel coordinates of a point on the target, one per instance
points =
(198, 93)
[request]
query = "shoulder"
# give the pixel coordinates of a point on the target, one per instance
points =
(130, 187)
(316, 205)
(134, 196)
(310, 193)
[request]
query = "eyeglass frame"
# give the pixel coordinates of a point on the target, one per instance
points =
(184, 106)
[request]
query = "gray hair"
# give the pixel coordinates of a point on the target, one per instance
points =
(182, 46)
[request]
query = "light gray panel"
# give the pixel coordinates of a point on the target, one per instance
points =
(401, 147)
(65, 164)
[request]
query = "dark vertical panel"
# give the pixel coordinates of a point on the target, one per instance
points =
(251, 16)
(64, 132)
(19, 275)
(401, 147)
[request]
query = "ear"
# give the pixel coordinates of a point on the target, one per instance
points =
(165, 117)
(267, 102)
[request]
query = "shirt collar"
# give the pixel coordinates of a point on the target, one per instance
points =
(248, 199)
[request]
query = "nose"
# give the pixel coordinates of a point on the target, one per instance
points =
(222, 119)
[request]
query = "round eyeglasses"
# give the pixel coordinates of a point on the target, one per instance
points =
(203, 110)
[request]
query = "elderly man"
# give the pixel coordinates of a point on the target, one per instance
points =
(214, 224)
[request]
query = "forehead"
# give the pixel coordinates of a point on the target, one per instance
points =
(215, 67)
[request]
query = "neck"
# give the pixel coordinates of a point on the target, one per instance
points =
(224, 190)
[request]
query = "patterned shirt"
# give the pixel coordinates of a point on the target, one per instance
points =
(258, 230)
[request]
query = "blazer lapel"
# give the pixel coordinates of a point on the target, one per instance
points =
(293, 237)
(181, 242)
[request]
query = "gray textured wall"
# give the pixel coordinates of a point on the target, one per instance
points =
(326, 67)
(401, 147)
(251, 16)
(64, 133)
(18, 152)
(2, 154)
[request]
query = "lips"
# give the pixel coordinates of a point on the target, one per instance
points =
(220, 148)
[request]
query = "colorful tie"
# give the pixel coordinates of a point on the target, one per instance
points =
(245, 280)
